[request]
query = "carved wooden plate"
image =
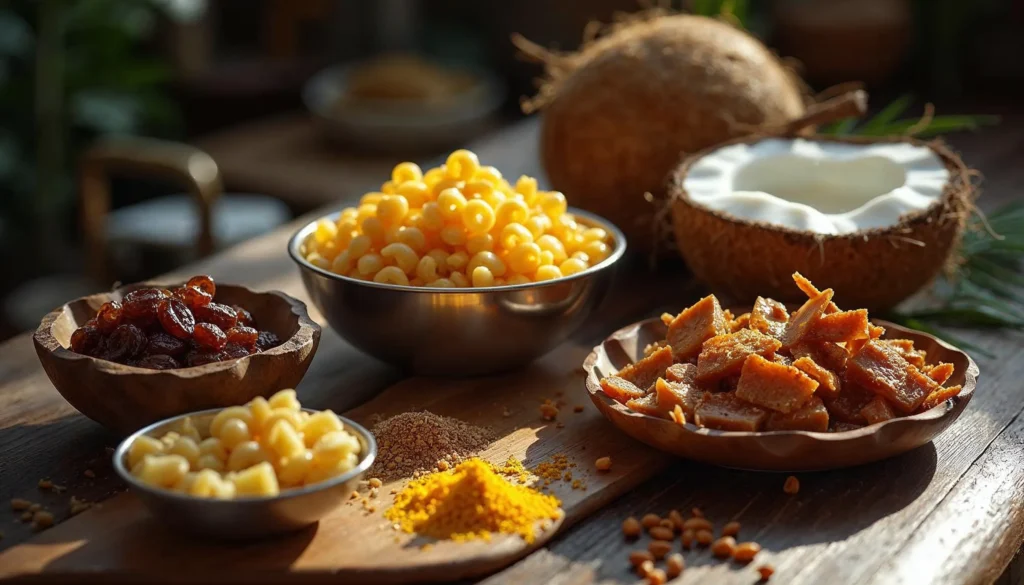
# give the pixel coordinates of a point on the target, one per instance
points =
(777, 450)
(125, 398)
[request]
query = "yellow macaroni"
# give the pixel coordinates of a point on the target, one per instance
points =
(254, 450)
(426, 228)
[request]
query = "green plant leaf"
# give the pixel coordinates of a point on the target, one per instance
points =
(895, 109)
(938, 125)
(841, 127)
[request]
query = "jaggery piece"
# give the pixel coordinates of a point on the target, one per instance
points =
(775, 386)
(939, 372)
(741, 322)
(875, 331)
(647, 405)
(621, 390)
(827, 354)
(729, 383)
(841, 327)
(812, 291)
(653, 347)
(841, 427)
(667, 318)
(725, 412)
(728, 315)
(848, 405)
(681, 373)
(801, 321)
(723, 355)
(769, 317)
(695, 325)
(905, 347)
(828, 381)
(782, 359)
(643, 373)
(938, 397)
(671, 394)
(880, 368)
(812, 416)
(878, 410)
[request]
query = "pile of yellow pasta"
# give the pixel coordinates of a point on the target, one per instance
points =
(253, 450)
(457, 225)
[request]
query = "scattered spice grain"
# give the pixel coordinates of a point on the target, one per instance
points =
(35, 507)
(697, 513)
(375, 482)
(548, 410)
(704, 537)
(19, 504)
(723, 547)
(650, 521)
(662, 533)
(687, 539)
(745, 552)
(766, 572)
(45, 484)
(631, 527)
(415, 442)
(667, 523)
(674, 565)
(659, 548)
(603, 463)
(26, 516)
(697, 524)
(42, 520)
(677, 520)
(637, 557)
(792, 485)
(645, 568)
(731, 529)
(578, 408)
(656, 577)
(89, 473)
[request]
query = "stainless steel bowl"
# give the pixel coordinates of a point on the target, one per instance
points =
(249, 517)
(458, 332)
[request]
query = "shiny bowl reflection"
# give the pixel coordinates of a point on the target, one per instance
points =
(458, 332)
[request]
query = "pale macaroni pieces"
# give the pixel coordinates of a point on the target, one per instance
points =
(458, 225)
(254, 450)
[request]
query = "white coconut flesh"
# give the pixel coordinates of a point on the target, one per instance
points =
(822, 187)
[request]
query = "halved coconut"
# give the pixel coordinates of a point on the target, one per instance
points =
(875, 219)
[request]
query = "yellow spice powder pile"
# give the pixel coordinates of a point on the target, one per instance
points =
(471, 502)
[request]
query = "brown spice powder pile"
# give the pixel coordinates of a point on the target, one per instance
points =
(413, 442)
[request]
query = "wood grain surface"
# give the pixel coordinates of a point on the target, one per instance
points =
(949, 512)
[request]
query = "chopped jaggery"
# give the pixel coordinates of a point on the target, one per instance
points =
(723, 355)
(812, 416)
(828, 381)
(671, 394)
(847, 406)
(905, 347)
(841, 327)
(824, 353)
(841, 427)
(775, 386)
(643, 373)
(811, 291)
(939, 372)
(647, 405)
(878, 410)
(741, 322)
(769, 317)
(695, 325)
(783, 359)
(681, 373)
(880, 368)
(938, 397)
(726, 412)
(875, 331)
(801, 321)
(621, 390)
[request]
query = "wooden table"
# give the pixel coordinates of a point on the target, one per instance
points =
(949, 512)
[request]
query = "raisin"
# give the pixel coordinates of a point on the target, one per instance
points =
(234, 351)
(200, 358)
(220, 315)
(164, 344)
(267, 340)
(244, 317)
(203, 283)
(193, 297)
(87, 340)
(109, 316)
(209, 336)
(243, 336)
(175, 318)
(139, 306)
(125, 343)
(157, 362)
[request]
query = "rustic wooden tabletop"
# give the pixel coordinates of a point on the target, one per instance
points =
(949, 512)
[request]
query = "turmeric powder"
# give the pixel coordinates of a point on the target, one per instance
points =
(471, 502)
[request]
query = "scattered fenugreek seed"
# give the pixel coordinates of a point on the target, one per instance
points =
(603, 463)
(704, 537)
(662, 533)
(674, 565)
(667, 523)
(45, 484)
(766, 572)
(637, 557)
(696, 524)
(697, 513)
(656, 577)
(731, 529)
(42, 519)
(723, 547)
(354, 495)
(677, 520)
(413, 442)
(19, 504)
(578, 408)
(645, 568)
(687, 539)
(35, 507)
(26, 516)
(745, 552)
(650, 520)
(792, 485)
(659, 548)
(89, 473)
(631, 527)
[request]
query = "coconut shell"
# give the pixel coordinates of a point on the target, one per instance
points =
(873, 269)
(619, 113)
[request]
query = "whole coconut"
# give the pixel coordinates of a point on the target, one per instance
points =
(619, 114)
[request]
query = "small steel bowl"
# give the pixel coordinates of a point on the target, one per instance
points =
(458, 332)
(248, 517)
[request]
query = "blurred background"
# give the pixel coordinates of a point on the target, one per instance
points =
(281, 100)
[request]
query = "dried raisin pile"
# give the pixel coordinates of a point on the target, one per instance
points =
(162, 329)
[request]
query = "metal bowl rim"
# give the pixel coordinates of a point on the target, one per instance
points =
(598, 221)
(285, 494)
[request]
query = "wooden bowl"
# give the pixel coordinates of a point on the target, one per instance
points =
(776, 450)
(125, 398)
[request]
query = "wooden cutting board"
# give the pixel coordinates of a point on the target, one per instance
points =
(352, 545)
